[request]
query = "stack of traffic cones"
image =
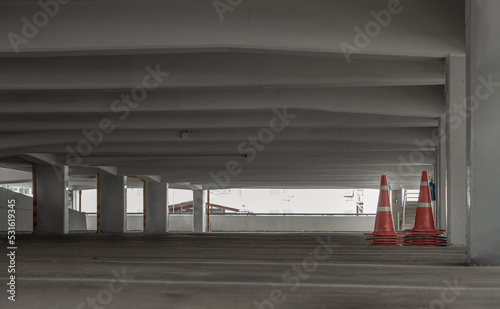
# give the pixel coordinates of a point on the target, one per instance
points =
(384, 233)
(423, 232)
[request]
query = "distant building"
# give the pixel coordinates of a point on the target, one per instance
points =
(187, 207)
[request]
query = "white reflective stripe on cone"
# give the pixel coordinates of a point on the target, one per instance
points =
(424, 184)
(384, 208)
(423, 204)
(384, 188)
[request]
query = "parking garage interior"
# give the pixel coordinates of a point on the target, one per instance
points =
(202, 96)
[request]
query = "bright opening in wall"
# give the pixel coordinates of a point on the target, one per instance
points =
(282, 201)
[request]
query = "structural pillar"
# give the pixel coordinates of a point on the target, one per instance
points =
(397, 208)
(441, 177)
(483, 131)
(157, 207)
(113, 201)
(456, 133)
(52, 199)
(199, 213)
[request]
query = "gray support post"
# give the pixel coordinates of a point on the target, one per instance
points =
(199, 213)
(456, 133)
(52, 199)
(157, 207)
(483, 129)
(113, 204)
(397, 208)
(441, 178)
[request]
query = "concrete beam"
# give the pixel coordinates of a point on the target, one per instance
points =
(282, 25)
(240, 149)
(206, 70)
(353, 172)
(109, 170)
(316, 157)
(188, 186)
(361, 184)
(401, 136)
(414, 101)
(9, 176)
(209, 120)
(42, 158)
(150, 178)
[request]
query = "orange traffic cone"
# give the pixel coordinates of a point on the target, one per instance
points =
(384, 233)
(423, 232)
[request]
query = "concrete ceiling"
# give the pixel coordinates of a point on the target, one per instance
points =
(225, 81)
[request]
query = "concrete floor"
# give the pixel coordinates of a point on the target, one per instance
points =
(193, 271)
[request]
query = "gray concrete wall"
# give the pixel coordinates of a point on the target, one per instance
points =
(77, 221)
(134, 222)
(24, 210)
(184, 223)
(24, 213)
(291, 224)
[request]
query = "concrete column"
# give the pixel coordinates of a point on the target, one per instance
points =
(456, 133)
(113, 204)
(52, 199)
(157, 207)
(483, 131)
(440, 180)
(397, 208)
(199, 212)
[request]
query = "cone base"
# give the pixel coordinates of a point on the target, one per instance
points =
(425, 238)
(433, 230)
(384, 239)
